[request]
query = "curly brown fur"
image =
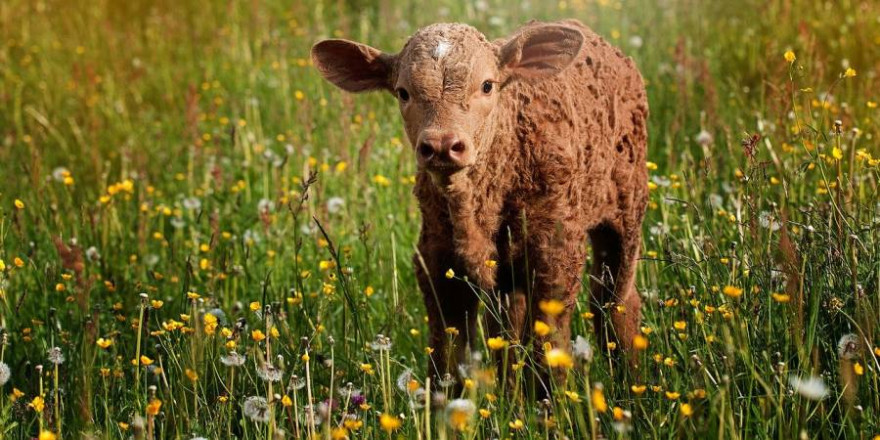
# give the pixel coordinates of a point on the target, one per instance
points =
(522, 175)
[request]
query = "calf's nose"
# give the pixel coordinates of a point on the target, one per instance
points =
(446, 148)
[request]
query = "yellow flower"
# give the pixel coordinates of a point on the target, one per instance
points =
(368, 291)
(192, 375)
(258, 335)
(18, 262)
(640, 342)
(516, 425)
(254, 306)
(672, 395)
(638, 389)
(490, 263)
(381, 180)
(145, 360)
(837, 153)
(618, 413)
(573, 395)
(686, 410)
(781, 297)
(210, 322)
(850, 72)
(286, 401)
(552, 307)
(485, 413)
(496, 343)
(153, 407)
(598, 399)
(558, 358)
(858, 369)
(367, 368)
(38, 404)
(389, 422)
(680, 325)
(338, 433)
(789, 56)
(192, 295)
(450, 274)
(104, 343)
(47, 435)
(541, 328)
(156, 304)
(19, 204)
(732, 291)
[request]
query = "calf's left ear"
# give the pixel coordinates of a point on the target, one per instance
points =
(353, 67)
(540, 51)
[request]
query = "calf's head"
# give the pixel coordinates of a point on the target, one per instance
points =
(448, 81)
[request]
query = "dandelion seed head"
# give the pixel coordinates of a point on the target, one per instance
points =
(256, 409)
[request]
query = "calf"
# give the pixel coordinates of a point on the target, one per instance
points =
(525, 146)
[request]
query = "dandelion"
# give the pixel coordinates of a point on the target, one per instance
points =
(781, 297)
(265, 206)
(496, 343)
(558, 358)
(686, 410)
(389, 423)
(597, 397)
(640, 342)
(256, 409)
(270, 373)
(192, 204)
(680, 325)
(789, 56)
(5, 373)
(55, 356)
(258, 335)
(703, 138)
(153, 407)
(582, 349)
(18, 204)
(47, 435)
(673, 395)
(849, 73)
(296, 383)
(516, 425)
(849, 346)
(732, 291)
(381, 343)
(541, 328)
(552, 307)
(638, 389)
(450, 274)
(233, 359)
(335, 205)
(459, 412)
(812, 388)
(858, 369)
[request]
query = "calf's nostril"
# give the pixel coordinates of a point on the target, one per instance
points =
(426, 150)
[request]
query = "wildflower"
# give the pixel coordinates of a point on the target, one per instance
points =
(389, 422)
(485, 413)
(381, 343)
(573, 396)
(686, 410)
(256, 409)
(296, 383)
(789, 56)
(640, 342)
(450, 274)
(270, 373)
(781, 297)
(145, 360)
(192, 375)
(703, 138)
(233, 359)
(258, 335)
(381, 180)
(552, 307)
(55, 356)
(459, 412)
(5, 373)
(496, 343)
(849, 73)
(265, 206)
(210, 322)
(368, 368)
(673, 395)
(582, 349)
(47, 435)
(680, 325)
(558, 358)
(837, 153)
(335, 205)
(597, 396)
(153, 407)
(849, 346)
(19, 204)
(858, 369)
(638, 389)
(732, 291)
(541, 328)
(369, 291)
(516, 425)
(812, 388)
(156, 304)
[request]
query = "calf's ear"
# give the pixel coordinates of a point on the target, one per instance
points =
(351, 66)
(540, 51)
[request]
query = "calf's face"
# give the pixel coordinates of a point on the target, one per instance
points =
(448, 81)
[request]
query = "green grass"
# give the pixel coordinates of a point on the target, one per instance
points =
(178, 122)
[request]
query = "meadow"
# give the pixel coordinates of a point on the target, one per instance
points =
(201, 238)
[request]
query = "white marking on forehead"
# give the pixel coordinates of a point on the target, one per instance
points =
(441, 50)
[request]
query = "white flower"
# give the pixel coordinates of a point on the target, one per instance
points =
(296, 383)
(270, 373)
(5, 373)
(60, 173)
(703, 138)
(233, 359)
(192, 203)
(92, 254)
(265, 206)
(767, 220)
(635, 41)
(256, 409)
(381, 343)
(812, 388)
(403, 380)
(55, 356)
(849, 346)
(582, 349)
(335, 204)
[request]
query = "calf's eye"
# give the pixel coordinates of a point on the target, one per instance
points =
(487, 87)
(403, 94)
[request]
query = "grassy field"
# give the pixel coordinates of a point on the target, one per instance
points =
(157, 216)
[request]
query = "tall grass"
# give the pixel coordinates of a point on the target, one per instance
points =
(178, 184)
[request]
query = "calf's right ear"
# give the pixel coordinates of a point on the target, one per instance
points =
(351, 66)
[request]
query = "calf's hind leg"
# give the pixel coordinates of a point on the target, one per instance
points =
(612, 283)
